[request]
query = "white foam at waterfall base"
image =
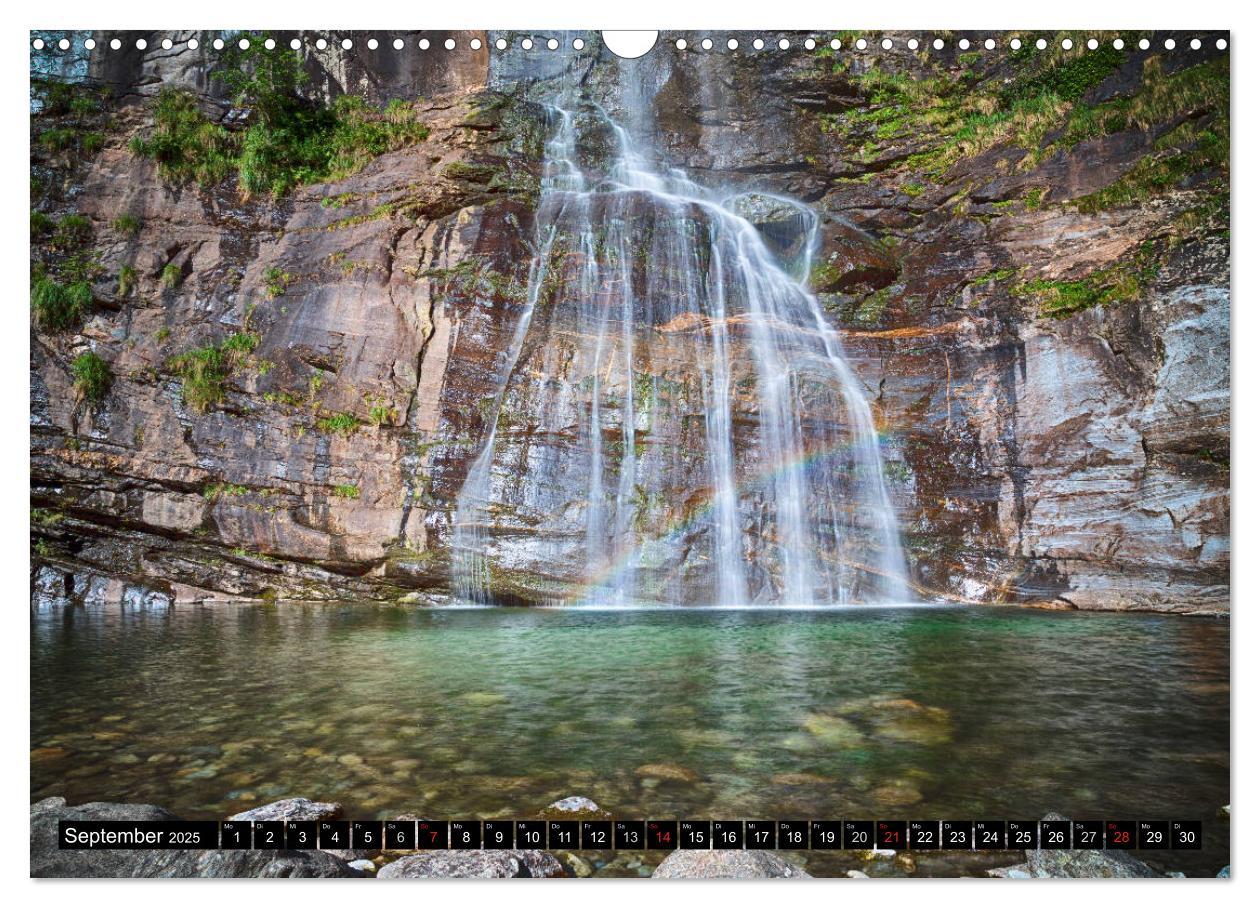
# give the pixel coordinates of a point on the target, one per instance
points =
(799, 512)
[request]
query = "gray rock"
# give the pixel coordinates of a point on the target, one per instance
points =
(458, 865)
(725, 865)
(304, 809)
(785, 226)
(574, 804)
(47, 860)
(579, 865)
(298, 809)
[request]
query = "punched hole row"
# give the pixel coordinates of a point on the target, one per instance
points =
(450, 44)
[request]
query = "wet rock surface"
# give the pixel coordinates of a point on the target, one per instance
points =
(1045, 446)
(726, 865)
(290, 809)
(472, 865)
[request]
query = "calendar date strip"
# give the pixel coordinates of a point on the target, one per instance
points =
(636, 835)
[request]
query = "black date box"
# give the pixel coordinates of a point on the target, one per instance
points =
(334, 834)
(1021, 834)
(234, 834)
(1186, 834)
(924, 835)
(1087, 834)
(629, 835)
(301, 834)
(465, 834)
(400, 835)
(990, 835)
(1153, 834)
(728, 834)
(662, 834)
(597, 835)
(269, 835)
(793, 834)
(432, 835)
(497, 834)
(891, 834)
(1121, 834)
(694, 834)
(366, 834)
(956, 835)
(859, 834)
(759, 835)
(531, 833)
(562, 834)
(826, 835)
(1054, 834)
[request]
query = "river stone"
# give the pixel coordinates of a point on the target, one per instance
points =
(575, 807)
(833, 731)
(296, 809)
(800, 778)
(304, 809)
(668, 771)
(725, 865)
(472, 865)
(47, 860)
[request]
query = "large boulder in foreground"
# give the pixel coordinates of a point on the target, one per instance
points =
(726, 865)
(484, 865)
(47, 860)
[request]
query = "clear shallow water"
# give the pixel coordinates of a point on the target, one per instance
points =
(971, 712)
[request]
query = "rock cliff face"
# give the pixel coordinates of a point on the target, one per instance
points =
(1025, 255)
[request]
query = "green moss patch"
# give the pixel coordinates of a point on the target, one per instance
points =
(1123, 282)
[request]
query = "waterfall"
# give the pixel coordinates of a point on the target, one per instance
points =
(674, 420)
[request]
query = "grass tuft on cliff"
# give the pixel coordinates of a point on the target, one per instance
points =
(339, 423)
(126, 281)
(59, 306)
(203, 371)
(291, 140)
(92, 377)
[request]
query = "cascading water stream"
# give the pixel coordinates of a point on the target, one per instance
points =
(787, 498)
